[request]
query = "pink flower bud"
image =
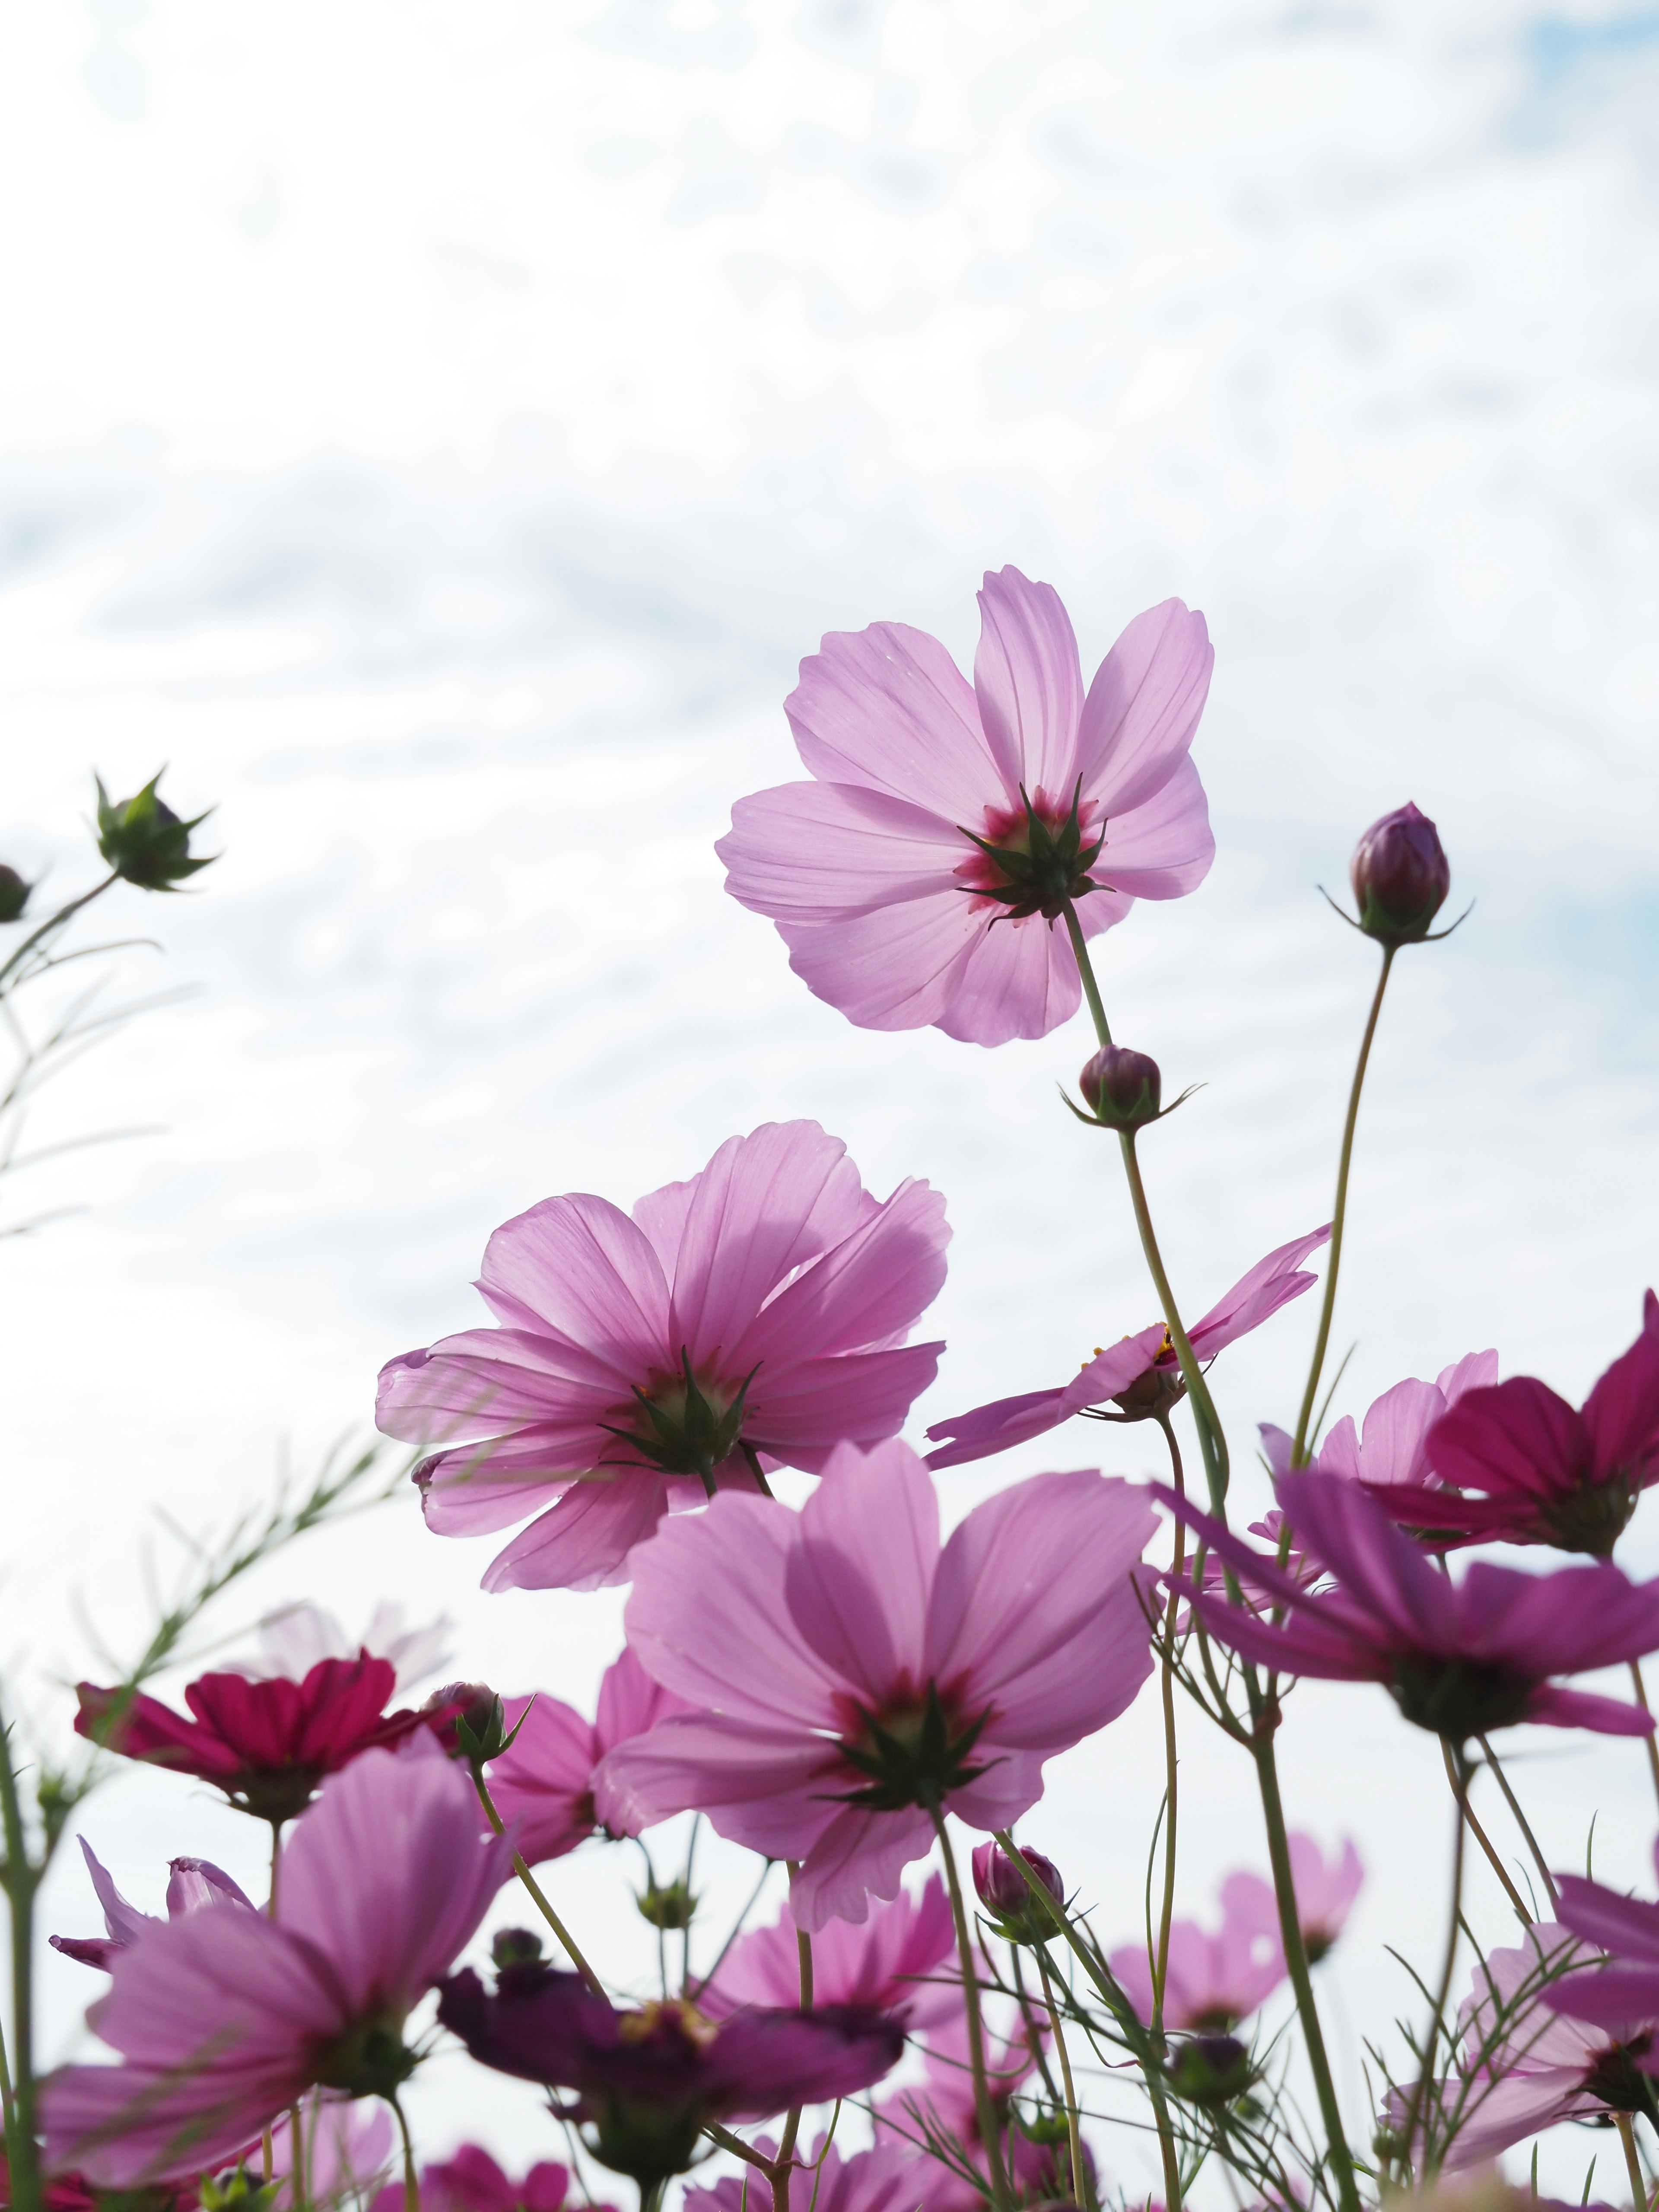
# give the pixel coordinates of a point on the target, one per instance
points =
(1401, 876)
(1007, 1896)
(1121, 1088)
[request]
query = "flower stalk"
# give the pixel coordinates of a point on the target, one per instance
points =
(537, 1894)
(984, 2110)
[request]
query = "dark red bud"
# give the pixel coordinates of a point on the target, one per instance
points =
(1401, 876)
(1121, 1088)
(467, 1718)
(1005, 1893)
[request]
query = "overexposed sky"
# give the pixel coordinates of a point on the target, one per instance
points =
(437, 434)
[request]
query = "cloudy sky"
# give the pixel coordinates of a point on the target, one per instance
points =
(437, 435)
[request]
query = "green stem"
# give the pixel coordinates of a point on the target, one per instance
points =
(534, 1889)
(411, 2179)
(1339, 1215)
(1523, 1824)
(1211, 1441)
(1086, 971)
(984, 2110)
(1082, 2195)
(1638, 2185)
(1652, 1738)
(299, 2164)
(1161, 1962)
(1460, 1793)
(792, 2122)
(22, 2155)
(1295, 1958)
(1438, 2020)
(21, 952)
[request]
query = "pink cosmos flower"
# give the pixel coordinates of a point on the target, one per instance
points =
(1517, 1464)
(851, 1674)
(546, 1783)
(888, 2178)
(918, 879)
(1325, 1891)
(944, 2103)
(1621, 1997)
(888, 1963)
(225, 2019)
(648, 2081)
(1460, 1659)
(347, 2145)
(471, 2181)
(1390, 1449)
(1214, 1980)
(266, 1744)
(191, 1883)
(1142, 1374)
(755, 1314)
(1523, 2066)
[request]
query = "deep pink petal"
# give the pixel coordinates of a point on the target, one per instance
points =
(857, 1855)
(1378, 1568)
(1628, 1927)
(1144, 705)
(582, 1542)
(1029, 684)
(543, 1782)
(631, 1702)
(996, 1427)
(862, 1605)
(889, 708)
(1550, 1707)
(1621, 1414)
(1517, 1440)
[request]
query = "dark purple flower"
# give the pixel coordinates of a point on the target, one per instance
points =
(1401, 876)
(1459, 1658)
(1516, 1463)
(649, 2082)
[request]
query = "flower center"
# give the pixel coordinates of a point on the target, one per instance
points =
(1034, 859)
(1591, 1518)
(1458, 1697)
(660, 2020)
(684, 1424)
(1617, 2081)
(369, 2060)
(914, 1750)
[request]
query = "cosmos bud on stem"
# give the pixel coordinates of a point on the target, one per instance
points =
(1020, 1915)
(1401, 876)
(1121, 1088)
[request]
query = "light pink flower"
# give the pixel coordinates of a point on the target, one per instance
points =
(877, 874)
(891, 1962)
(848, 1670)
(225, 2019)
(1325, 1891)
(1390, 1448)
(1214, 1980)
(545, 1782)
(888, 2178)
(296, 1637)
(759, 1309)
(1142, 1374)
(191, 1883)
(347, 2145)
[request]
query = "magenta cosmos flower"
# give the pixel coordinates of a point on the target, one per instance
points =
(648, 2081)
(888, 2178)
(191, 1883)
(889, 1963)
(266, 1744)
(225, 2019)
(472, 2181)
(1622, 1996)
(944, 2104)
(1390, 1448)
(852, 1674)
(1141, 1375)
(1516, 1463)
(1458, 1658)
(345, 2146)
(546, 1782)
(1215, 1980)
(755, 1314)
(918, 879)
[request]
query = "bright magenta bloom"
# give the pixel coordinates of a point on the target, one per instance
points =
(1390, 1448)
(1621, 1997)
(471, 2181)
(888, 2178)
(191, 1883)
(894, 1962)
(912, 881)
(1141, 1369)
(546, 1783)
(225, 2019)
(852, 1671)
(266, 1744)
(1460, 1659)
(1517, 1464)
(1214, 1980)
(759, 1308)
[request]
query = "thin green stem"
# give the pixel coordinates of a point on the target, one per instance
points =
(985, 2110)
(1522, 1823)
(21, 1876)
(1086, 971)
(1295, 1958)
(1429, 2052)
(1082, 2194)
(1652, 1738)
(411, 2179)
(756, 1468)
(534, 1889)
(792, 2121)
(1339, 1214)
(20, 953)
(1211, 1441)
(1459, 1791)
(299, 2165)
(1161, 1960)
(1639, 2184)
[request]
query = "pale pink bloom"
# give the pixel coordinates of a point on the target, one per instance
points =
(1142, 1370)
(1389, 1448)
(1325, 1890)
(225, 2019)
(894, 1961)
(848, 1668)
(888, 2178)
(876, 873)
(191, 1883)
(1214, 1980)
(296, 1637)
(546, 1782)
(761, 1308)
(347, 2145)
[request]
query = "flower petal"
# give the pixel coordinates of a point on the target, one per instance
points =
(862, 1606)
(1029, 684)
(1144, 705)
(887, 708)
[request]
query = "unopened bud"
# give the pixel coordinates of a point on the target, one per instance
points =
(1021, 1916)
(515, 1947)
(1401, 876)
(1211, 2069)
(14, 893)
(467, 1719)
(143, 840)
(1121, 1088)
(667, 1904)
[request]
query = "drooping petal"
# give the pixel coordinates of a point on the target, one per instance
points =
(887, 708)
(996, 1427)
(1144, 705)
(1029, 684)
(1258, 1293)
(1113, 1370)
(856, 1856)
(1019, 979)
(1379, 1568)
(583, 1541)
(1551, 1707)
(862, 1606)
(1162, 848)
